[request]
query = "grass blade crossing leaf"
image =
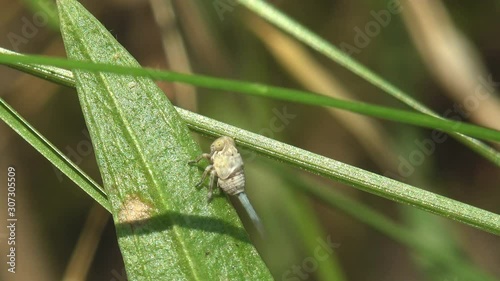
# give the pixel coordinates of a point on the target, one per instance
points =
(298, 96)
(166, 231)
(356, 177)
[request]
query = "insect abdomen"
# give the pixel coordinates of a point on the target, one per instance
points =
(233, 185)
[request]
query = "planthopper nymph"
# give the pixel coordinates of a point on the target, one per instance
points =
(226, 171)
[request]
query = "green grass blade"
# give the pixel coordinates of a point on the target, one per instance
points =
(45, 10)
(49, 151)
(303, 34)
(58, 75)
(347, 174)
(401, 234)
(165, 228)
(292, 211)
(350, 175)
(255, 89)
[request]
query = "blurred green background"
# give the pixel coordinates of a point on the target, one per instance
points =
(439, 52)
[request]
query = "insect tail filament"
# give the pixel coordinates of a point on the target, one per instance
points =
(251, 212)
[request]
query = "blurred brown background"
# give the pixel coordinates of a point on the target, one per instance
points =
(438, 52)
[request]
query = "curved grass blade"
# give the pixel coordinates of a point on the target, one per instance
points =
(292, 219)
(256, 89)
(353, 208)
(165, 229)
(303, 34)
(378, 221)
(350, 175)
(486, 221)
(403, 235)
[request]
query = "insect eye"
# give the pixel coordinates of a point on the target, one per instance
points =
(217, 146)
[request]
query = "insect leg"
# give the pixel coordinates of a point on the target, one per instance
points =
(213, 179)
(208, 169)
(204, 155)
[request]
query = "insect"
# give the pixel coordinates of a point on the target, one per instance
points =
(226, 170)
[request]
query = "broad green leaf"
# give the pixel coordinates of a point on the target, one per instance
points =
(328, 195)
(165, 228)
